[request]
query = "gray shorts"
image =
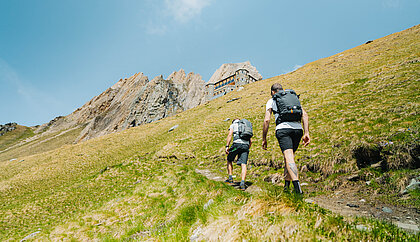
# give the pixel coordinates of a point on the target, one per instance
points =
(240, 150)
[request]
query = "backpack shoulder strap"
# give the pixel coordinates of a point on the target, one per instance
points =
(276, 110)
(235, 123)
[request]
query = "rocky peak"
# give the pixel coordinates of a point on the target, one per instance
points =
(177, 76)
(193, 85)
(133, 101)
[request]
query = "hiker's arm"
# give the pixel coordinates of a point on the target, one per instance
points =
(305, 121)
(266, 124)
(250, 143)
(228, 140)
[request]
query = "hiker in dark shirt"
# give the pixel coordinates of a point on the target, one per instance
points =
(240, 148)
(289, 134)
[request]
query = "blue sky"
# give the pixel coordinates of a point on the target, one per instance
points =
(56, 55)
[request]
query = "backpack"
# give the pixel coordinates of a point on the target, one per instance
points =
(245, 129)
(288, 106)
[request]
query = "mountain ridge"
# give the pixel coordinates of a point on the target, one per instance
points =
(131, 102)
(136, 100)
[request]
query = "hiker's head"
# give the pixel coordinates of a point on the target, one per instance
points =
(235, 119)
(275, 88)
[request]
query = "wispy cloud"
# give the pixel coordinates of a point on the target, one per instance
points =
(156, 29)
(28, 98)
(7, 74)
(185, 10)
(171, 12)
(391, 3)
(295, 67)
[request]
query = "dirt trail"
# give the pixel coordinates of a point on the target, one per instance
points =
(347, 203)
(212, 176)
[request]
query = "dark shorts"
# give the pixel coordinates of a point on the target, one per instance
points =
(289, 138)
(240, 150)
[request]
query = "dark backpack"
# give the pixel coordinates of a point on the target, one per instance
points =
(288, 106)
(245, 129)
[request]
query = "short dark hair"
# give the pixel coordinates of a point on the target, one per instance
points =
(276, 87)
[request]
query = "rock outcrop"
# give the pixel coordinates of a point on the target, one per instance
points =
(192, 87)
(7, 128)
(131, 102)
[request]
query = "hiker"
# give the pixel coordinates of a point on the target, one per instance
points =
(290, 117)
(241, 131)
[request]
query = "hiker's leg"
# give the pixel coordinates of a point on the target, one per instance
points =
(290, 164)
(242, 161)
(287, 140)
(286, 145)
(230, 158)
(287, 176)
(230, 168)
(243, 173)
(292, 169)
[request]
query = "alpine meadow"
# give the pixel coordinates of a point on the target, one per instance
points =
(149, 183)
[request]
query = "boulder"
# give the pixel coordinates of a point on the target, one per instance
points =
(173, 128)
(386, 210)
(414, 185)
(361, 227)
(275, 178)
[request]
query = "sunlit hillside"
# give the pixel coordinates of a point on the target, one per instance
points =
(141, 183)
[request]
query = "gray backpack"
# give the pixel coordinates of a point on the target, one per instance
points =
(245, 129)
(288, 106)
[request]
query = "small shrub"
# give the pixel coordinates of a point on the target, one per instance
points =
(405, 155)
(189, 214)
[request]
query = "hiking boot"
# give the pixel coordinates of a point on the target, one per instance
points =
(296, 185)
(298, 193)
(242, 187)
(229, 181)
(286, 186)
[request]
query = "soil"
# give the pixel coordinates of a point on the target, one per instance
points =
(250, 187)
(349, 201)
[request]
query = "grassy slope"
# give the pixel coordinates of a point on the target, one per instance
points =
(140, 182)
(10, 138)
(34, 144)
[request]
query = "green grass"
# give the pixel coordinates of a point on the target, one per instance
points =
(10, 138)
(38, 144)
(140, 183)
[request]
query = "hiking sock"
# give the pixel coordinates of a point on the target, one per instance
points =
(229, 180)
(242, 183)
(286, 185)
(296, 185)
